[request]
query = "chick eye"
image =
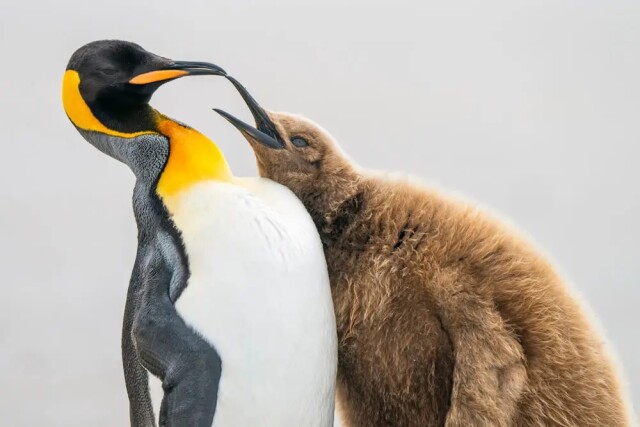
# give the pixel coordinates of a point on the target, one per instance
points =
(299, 142)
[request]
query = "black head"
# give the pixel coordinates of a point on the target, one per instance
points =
(117, 79)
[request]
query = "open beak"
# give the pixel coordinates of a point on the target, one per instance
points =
(265, 131)
(254, 133)
(176, 69)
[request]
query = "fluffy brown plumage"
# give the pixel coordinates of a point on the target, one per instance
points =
(444, 315)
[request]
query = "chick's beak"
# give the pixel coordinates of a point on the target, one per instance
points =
(175, 69)
(249, 130)
(265, 131)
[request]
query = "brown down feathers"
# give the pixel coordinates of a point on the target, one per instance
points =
(444, 315)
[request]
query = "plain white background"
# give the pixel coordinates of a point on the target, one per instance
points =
(530, 108)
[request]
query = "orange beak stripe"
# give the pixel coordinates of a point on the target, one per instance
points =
(157, 76)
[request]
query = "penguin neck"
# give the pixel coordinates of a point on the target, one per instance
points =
(192, 158)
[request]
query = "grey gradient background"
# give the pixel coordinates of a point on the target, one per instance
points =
(531, 108)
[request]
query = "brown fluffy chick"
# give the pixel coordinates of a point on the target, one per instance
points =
(444, 315)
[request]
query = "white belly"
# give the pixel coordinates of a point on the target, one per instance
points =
(259, 293)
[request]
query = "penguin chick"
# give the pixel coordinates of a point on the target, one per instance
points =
(229, 302)
(444, 315)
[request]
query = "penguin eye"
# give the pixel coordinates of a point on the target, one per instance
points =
(299, 142)
(108, 71)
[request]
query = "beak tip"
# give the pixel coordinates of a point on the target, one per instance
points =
(195, 68)
(224, 114)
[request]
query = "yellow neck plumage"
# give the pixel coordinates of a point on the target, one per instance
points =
(192, 156)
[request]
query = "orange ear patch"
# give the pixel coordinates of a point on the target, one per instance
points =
(78, 110)
(157, 76)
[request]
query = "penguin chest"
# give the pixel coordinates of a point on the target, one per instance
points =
(258, 292)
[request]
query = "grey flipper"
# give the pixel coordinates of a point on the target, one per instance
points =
(188, 366)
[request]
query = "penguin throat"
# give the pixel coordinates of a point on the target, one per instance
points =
(134, 118)
(193, 158)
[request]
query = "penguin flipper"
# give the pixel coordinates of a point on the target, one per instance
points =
(188, 366)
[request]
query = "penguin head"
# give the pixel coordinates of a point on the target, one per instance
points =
(106, 68)
(106, 91)
(290, 149)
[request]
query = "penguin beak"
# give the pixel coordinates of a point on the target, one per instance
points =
(176, 69)
(265, 131)
(254, 133)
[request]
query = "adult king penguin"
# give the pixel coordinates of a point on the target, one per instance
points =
(229, 301)
(444, 316)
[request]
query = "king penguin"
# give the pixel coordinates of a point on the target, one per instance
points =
(229, 302)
